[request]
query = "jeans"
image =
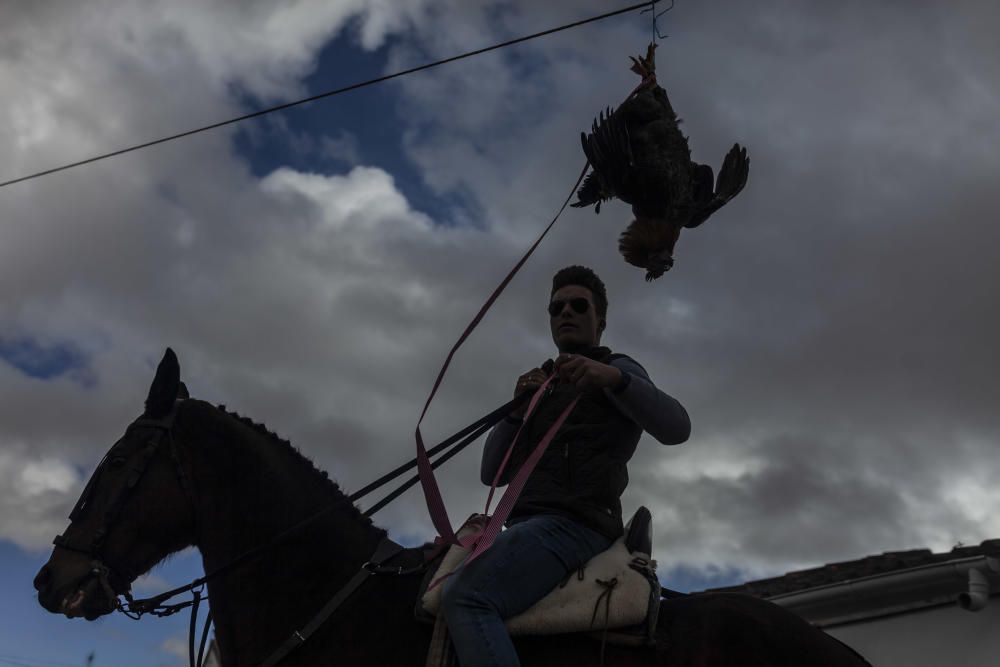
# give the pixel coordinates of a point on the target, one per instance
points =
(526, 561)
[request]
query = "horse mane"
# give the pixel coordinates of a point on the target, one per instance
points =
(340, 499)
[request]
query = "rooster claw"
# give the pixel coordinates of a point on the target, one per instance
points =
(645, 66)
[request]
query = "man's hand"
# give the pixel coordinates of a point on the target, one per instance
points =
(586, 373)
(530, 381)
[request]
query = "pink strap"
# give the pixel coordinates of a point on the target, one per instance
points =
(484, 539)
(506, 457)
(435, 505)
(513, 491)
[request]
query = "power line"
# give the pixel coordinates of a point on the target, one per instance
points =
(330, 93)
(24, 661)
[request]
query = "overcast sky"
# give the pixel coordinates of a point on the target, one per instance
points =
(832, 331)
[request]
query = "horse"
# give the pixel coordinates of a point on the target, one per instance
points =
(187, 473)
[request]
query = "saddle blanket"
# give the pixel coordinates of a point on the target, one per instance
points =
(616, 589)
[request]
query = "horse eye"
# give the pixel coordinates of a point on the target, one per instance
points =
(117, 462)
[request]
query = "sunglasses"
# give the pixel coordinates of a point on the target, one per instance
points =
(579, 304)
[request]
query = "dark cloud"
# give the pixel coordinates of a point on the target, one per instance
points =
(830, 331)
(831, 326)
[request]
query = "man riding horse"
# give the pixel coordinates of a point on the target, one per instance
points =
(569, 509)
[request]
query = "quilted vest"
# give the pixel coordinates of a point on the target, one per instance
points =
(583, 473)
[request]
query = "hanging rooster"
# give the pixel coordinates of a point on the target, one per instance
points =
(639, 155)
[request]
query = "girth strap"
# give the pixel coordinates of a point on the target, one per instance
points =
(386, 549)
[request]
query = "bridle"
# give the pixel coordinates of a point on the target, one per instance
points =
(101, 570)
(105, 573)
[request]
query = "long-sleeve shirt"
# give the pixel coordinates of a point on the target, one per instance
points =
(659, 414)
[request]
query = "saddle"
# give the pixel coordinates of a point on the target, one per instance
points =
(615, 596)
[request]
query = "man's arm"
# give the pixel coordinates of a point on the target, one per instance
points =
(496, 446)
(503, 433)
(660, 415)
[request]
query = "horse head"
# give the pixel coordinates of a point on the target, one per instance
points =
(136, 509)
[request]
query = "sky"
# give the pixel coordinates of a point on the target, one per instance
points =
(831, 331)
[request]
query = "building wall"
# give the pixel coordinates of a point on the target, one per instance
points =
(938, 637)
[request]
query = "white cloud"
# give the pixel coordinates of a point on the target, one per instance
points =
(175, 646)
(149, 584)
(364, 201)
(33, 506)
(40, 477)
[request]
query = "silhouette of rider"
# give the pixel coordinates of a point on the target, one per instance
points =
(569, 509)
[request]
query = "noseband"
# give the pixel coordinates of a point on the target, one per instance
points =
(100, 569)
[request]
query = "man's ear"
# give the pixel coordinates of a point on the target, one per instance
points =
(600, 326)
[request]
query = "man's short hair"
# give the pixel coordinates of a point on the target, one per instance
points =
(584, 277)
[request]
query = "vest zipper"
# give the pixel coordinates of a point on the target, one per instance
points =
(569, 467)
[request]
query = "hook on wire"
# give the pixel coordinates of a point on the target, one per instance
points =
(656, 18)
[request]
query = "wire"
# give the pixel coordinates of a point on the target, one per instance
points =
(23, 661)
(330, 93)
(656, 18)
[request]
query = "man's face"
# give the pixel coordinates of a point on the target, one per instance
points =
(572, 330)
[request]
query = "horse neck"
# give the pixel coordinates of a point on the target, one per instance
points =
(251, 487)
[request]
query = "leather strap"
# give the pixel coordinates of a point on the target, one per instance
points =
(386, 549)
(477, 428)
(194, 626)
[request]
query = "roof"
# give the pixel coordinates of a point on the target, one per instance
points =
(832, 573)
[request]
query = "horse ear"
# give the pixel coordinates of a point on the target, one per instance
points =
(166, 385)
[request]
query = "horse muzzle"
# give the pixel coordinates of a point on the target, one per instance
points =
(88, 595)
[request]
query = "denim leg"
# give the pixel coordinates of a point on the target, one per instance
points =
(526, 561)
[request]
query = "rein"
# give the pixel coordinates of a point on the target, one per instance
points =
(101, 570)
